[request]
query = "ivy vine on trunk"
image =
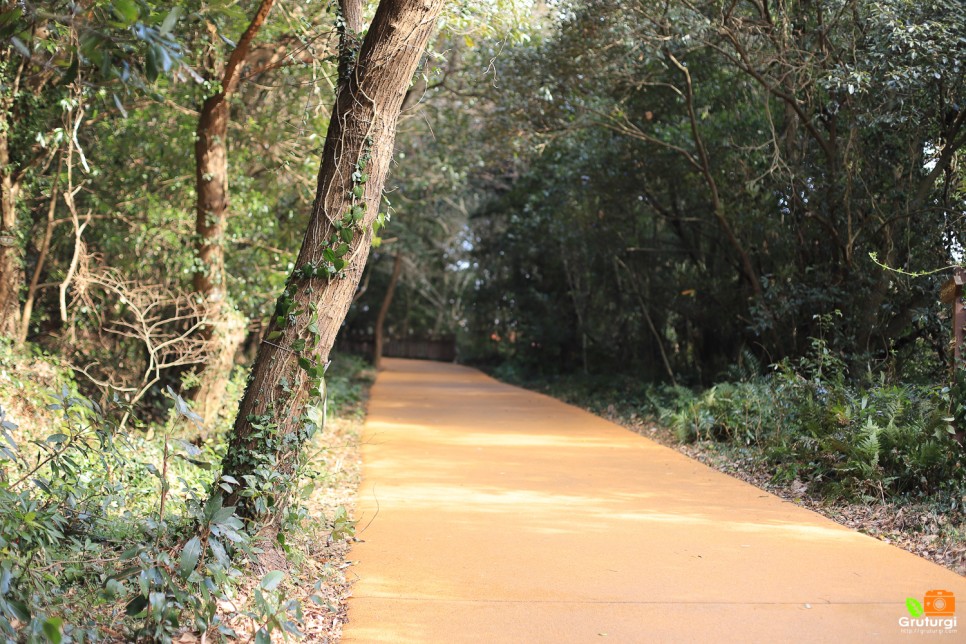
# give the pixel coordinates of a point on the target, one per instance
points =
(271, 426)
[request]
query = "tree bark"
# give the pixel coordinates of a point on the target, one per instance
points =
(350, 34)
(11, 266)
(384, 310)
(226, 328)
(211, 168)
(265, 447)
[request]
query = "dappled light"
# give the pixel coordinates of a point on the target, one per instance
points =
(492, 496)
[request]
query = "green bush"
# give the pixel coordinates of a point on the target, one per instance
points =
(809, 423)
(102, 529)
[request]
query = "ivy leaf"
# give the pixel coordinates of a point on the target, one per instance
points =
(298, 345)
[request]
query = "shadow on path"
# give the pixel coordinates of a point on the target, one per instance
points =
(500, 515)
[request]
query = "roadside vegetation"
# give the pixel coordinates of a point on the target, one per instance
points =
(121, 523)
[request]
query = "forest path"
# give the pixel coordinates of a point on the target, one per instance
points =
(489, 513)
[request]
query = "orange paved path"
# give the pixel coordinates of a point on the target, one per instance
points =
(493, 514)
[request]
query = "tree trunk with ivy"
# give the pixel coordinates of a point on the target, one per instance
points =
(226, 328)
(272, 424)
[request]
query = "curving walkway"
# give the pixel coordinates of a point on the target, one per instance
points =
(493, 514)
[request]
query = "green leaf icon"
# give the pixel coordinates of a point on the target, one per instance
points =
(914, 607)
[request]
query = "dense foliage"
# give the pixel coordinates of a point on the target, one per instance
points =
(123, 523)
(715, 177)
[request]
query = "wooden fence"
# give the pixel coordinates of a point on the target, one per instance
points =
(442, 350)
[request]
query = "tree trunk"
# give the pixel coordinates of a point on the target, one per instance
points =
(384, 310)
(226, 329)
(11, 267)
(211, 167)
(226, 336)
(211, 181)
(265, 447)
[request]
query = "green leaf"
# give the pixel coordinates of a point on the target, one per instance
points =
(205, 465)
(189, 557)
(136, 605)
(151, 64)
(274, 335)
(914, 607)
(223, 515)
(341, 250)
(262, 637)
(52, 629)
(20, 47)
(305, 363)
(169, 21)
(298, 345)
(19, 610)
(272, 580)
(42, 484)
(9, 18)
(346, 234)
(127, 11)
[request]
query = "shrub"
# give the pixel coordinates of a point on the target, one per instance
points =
(809, 423)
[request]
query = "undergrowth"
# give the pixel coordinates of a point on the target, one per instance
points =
(113, 535)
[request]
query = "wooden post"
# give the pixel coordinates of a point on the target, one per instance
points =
(952, 293)
(959, 316)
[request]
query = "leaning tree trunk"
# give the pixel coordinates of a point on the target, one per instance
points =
(384, 311)
(272, 424)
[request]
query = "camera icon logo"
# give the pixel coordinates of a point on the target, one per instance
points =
(939, 603)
